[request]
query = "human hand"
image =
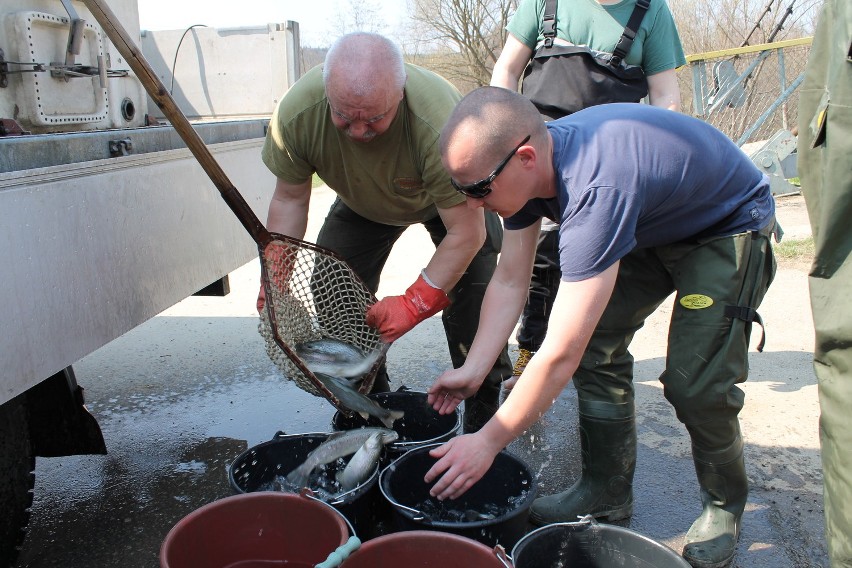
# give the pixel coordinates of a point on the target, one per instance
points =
(261, 299)
(394, 316)
(278, 259)
(451, 388)
(461, 462)
(509, 383)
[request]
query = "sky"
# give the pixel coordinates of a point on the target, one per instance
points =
(318, 20)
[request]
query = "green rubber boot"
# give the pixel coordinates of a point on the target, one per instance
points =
(712, 539)
(605, 488)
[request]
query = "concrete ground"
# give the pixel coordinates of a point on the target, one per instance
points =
(180, 397)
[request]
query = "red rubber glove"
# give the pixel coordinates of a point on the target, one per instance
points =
(396, 315)
(279, 259)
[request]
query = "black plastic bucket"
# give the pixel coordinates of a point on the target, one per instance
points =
(499, 503)
(257, 467)
(420, 426)
(587, 544)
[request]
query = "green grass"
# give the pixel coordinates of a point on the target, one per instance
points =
(316, 181)
(795, 249)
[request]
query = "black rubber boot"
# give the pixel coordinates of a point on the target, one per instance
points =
(712, 539)
(605, 488)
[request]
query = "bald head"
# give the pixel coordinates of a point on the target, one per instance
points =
(492, 119)
(363, 64)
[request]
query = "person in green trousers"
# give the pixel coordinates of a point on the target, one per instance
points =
(825, 169)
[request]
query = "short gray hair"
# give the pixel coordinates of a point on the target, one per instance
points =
(361, 56)
(493, 117)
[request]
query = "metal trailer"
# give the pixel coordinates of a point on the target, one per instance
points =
(106, 219)
(750, 94)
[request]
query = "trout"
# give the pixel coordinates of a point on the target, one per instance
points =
(337, 445)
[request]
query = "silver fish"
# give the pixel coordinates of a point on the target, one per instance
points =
(471, 515)
(357, 402)
(363, 463)
(337, 445)
(337, 358)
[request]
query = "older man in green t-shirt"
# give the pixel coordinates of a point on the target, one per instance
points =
(368, 125)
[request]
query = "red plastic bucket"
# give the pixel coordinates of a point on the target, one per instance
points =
(255, 530)
(415, 549)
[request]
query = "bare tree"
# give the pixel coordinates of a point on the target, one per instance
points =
(460, 39)
(358, 16)
(722, 24)
(349, 16)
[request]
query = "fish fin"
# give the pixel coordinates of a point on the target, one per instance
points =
(364, 415)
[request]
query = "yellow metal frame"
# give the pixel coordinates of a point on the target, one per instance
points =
(749, 49)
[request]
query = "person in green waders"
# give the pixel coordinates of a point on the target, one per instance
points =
(648, 202)
(825, 169)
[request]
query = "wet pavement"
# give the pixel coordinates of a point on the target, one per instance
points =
(180, 397)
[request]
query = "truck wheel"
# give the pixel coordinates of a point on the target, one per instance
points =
(17, 477)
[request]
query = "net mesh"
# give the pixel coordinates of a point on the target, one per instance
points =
(312, 294)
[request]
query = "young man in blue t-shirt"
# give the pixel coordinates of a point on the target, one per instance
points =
(649, 202)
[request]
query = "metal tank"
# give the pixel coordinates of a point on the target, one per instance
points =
(106, 219)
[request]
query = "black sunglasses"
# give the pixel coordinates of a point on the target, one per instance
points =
(481, 188)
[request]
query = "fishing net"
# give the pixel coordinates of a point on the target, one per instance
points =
(312, 294)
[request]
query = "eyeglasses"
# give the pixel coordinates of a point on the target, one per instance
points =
(481, 188)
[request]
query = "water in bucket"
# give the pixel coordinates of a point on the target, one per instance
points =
(494, 511)
(587, 544)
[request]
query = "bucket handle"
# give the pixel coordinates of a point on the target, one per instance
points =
(502, 556)
(342, 552)
(339, 498)
(418, 514)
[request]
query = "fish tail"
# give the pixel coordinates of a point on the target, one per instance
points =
(392, 417)
(341, 478)
(299, 476)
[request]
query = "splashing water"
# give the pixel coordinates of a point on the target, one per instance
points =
(322, 482)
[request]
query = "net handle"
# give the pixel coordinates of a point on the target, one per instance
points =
(158, 92)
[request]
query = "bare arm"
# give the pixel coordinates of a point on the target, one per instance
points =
(394, 316)
(511, 64)
(288, 215)
(288, 210)
(576, 311)
(465, 236)
(504, 299)
(663, 90)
